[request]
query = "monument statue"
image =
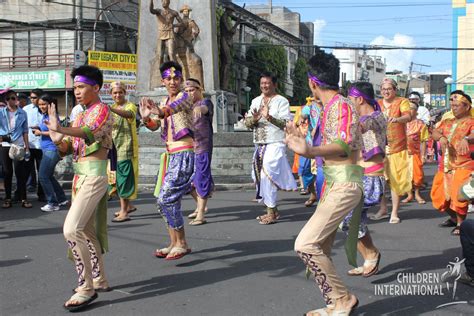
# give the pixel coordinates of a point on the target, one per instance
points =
(166, 39)
(227, 32)
(187, 32)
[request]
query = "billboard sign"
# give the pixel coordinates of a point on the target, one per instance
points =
(115, 67)
(52, 79)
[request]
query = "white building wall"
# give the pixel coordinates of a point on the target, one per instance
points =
(354, 62)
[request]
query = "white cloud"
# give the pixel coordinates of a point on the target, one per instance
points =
(399, 59)
(318, 27)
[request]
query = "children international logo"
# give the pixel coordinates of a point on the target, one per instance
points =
(426, 284)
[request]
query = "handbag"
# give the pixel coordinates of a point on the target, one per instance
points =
(16, 152)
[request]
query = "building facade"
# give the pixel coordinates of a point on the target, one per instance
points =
(46, 39)
(463, 60)
(357, 65)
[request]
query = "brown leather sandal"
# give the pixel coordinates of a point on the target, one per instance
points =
(26, 204)
(7, 203)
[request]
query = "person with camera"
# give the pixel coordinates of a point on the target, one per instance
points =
(55, 195)
(14, 150)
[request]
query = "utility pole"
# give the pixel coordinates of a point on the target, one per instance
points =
(410, 70)
(79, 23)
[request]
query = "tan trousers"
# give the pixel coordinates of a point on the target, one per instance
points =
(315, 240)
(79, 231)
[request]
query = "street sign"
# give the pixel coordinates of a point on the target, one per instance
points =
(80, 58)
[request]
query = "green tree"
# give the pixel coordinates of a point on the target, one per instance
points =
(300, 82)
(264, 56)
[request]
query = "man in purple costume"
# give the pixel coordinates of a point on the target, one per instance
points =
(203, 184)
(174, 116)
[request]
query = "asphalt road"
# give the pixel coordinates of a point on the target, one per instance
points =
(237, 266)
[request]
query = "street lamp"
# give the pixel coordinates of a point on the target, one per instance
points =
(247, 90)
(448, 81)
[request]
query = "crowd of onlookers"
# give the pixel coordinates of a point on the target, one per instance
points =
(27, 152)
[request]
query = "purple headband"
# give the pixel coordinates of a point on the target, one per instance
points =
(319, 82)
(85, 80)
(354, 92)
(171, 72)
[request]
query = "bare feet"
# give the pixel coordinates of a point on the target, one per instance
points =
(408, 199)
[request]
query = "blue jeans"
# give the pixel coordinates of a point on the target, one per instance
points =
(52, 189)
(467, 243)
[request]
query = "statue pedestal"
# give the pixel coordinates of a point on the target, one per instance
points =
(225, 107)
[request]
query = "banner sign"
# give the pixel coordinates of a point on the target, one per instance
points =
(115, 67)
(53, 79)
(113, 61)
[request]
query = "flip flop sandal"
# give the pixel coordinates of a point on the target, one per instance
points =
(377, 217)
(394, 220)
(121, 219)
(421, 201)
(456, 231)
(310, 202)
(333, 312)
(356, 271)
(371, 262)
(262, 217)
(197, 222)
(98, 289)
(268, 220)
(179, 253)
(448, 223)
(83, 300)
(129, 212)
(163, 252)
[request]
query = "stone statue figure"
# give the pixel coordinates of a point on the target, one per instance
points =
(166, 39)
(187, 32)
(227, 32)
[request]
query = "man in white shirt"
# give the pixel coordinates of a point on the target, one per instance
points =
(78, 108)
(422, 113)
(267, 116)
(34, 119)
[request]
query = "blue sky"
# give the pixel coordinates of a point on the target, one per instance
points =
(413, 23)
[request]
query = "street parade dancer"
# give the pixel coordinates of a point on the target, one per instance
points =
(125, 163)
(312, 176)
(269, 113)
(174, 115)
(203, 184)
(88, 140)
(373, 126)
(398, 113)
(417, 137)
(455, 133)
(343, 192)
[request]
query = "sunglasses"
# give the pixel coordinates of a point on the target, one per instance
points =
(10, 98)
(33, 97)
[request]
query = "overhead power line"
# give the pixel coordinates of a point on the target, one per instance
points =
(364, 47)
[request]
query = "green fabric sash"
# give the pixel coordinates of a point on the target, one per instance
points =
(96, 168)
(91, 168)
(344, 174)
(161, 173)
